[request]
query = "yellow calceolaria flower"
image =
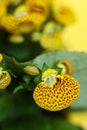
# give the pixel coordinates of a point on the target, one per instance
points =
(50, 39)
(11, 25)
(3, 10)
(51, 42)
(15, 2)
(30, 22)
(56, 92)
(5, 79)
(62, 14)
(9, 2)
(23, 24)
(78, 118)
(51, 27)
(39, 6)
(20, 11)
(6, 2)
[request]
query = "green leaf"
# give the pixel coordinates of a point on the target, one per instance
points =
(78, 60)
(58, 70)
(26, 79)
(37, 79)
(38, 122)
(45, 66)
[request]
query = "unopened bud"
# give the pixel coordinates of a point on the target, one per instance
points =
(31, 70)
(16, 39)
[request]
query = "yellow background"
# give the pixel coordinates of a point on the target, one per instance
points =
(75, 35)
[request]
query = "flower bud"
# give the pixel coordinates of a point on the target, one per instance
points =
(31, 70)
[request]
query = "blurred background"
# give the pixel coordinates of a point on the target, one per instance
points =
(75, 36)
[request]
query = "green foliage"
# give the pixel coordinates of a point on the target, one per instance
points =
(63, 125)
(41, 124)
(6, 107)
(78, 59)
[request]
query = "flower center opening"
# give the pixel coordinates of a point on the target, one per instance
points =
(49, 77)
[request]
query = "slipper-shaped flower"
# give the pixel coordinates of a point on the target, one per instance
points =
(5, 79)
(24, 24)
(56, 92)
(62, 14)
(39, 6)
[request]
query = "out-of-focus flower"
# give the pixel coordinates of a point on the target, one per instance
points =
(62, 14)
(16, 2)
(42, 18)
(9, 2)
(78, 118)
(22, 21)
(50, 39)
(51, 42)
(23, 24)
(3, 10)
(56, 92)
(11, 25)
(39, 6)
(30, 22)
(20, 11)
(6, 2)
